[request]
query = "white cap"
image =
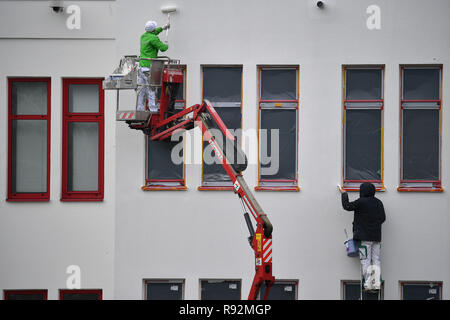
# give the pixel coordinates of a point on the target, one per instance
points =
(150, 26)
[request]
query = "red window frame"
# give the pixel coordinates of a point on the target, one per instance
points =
(62, 292)
(19, 197)
(278, 184)
(161, 184)
(405, 184)
(44, 292)
(349, 184)
(97, 117)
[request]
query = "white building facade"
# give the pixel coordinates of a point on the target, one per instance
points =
(90, 201)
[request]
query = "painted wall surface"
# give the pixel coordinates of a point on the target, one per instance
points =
(198, 234)
(38, 241)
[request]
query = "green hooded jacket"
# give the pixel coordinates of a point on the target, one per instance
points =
(150, 45)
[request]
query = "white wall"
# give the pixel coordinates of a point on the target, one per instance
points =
(198, 234)
(38, 241)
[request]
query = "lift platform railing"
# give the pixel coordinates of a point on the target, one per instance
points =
(125, 77)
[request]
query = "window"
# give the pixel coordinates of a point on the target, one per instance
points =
(421, 128)
(164, 289)
(80, 294)
(25, 294)
(165, 169)
(83, 140)
(421, 290)
(222, 86)
(281, 290)
(363, 126)
(220, 289)
(351, 290)
(29, 139)
(278, 128)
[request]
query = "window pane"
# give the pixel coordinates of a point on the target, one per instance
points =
(231, 116)
(162, 164)
(421, 84)
(278, 84)
(363, 144)
(83, 148)
(81, 296)
(429, 291)
(29, 98)
(420, 144)
(363, 84)
(83, 98)
(222, 84)
(283, 158)
(26, 296)
(220, 290)
(29, 156)
(279, 291)
(352, 291)
(164, 291)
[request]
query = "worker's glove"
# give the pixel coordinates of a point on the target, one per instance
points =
(167, 26)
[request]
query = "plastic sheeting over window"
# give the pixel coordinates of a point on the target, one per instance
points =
(421, 84)
(363, 84)
(280, 290)
(222, 84)
(163, 290)
(214, 172)
(278, 84)
(421, 291)
(220, 289)
(421, 144)
(421, 128)
(163, 161)
(284, 156)
(363, 145)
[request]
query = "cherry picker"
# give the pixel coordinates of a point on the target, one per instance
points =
(166, 74)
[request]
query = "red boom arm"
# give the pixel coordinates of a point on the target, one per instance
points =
(206, 118)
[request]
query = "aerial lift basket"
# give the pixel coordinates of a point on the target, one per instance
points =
(125, 77)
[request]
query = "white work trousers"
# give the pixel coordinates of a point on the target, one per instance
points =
(369, 255)
(144, 91)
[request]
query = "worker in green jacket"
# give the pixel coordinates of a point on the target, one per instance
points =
(150, 45)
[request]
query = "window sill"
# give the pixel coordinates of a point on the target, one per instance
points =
(215, 188)
(80, 200)
(163, 188)
(278, 188)
(9, 199)
(419, 189)
(380, 189)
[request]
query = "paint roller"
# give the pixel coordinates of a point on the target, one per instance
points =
(168, 10)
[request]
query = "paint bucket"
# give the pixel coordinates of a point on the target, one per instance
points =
(352, 248)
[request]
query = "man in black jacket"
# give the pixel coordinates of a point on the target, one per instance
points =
(369, 215)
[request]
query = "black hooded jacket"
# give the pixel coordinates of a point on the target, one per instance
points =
(369, 213)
